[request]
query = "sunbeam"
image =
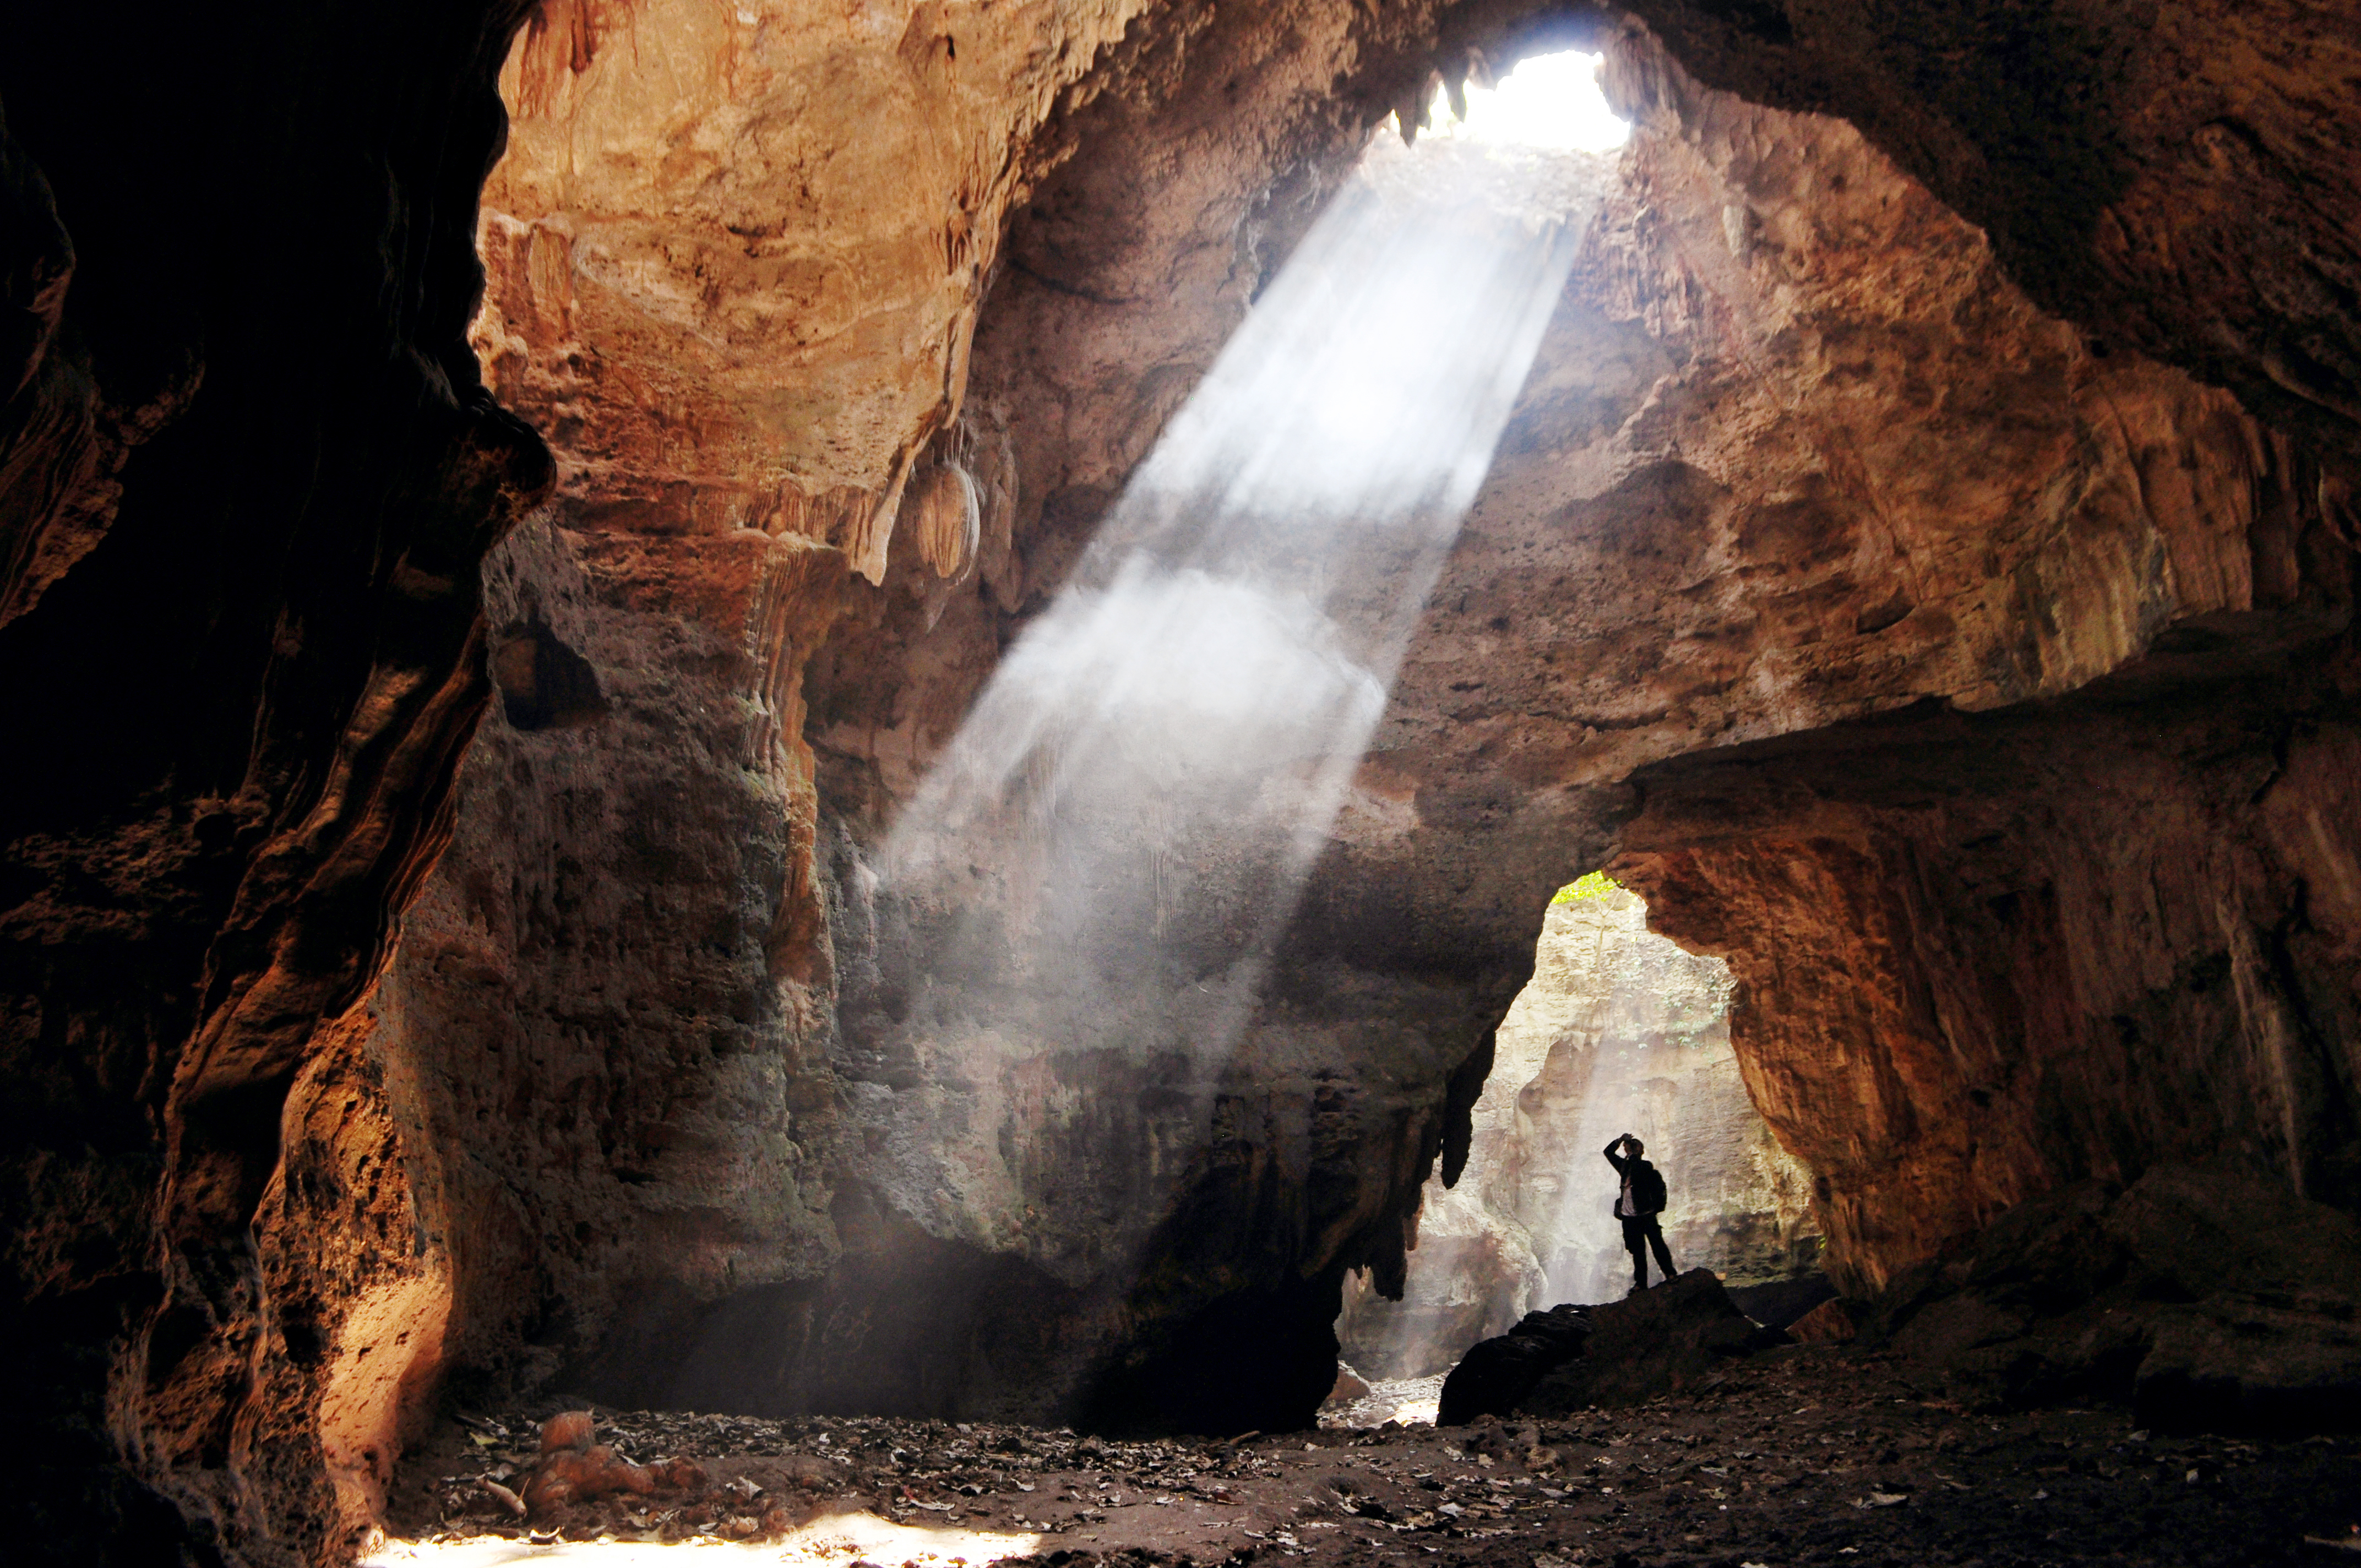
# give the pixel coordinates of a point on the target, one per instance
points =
(1087, 890)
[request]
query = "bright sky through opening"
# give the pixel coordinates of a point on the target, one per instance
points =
(1550, 101)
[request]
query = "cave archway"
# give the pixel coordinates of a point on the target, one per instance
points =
(1618, 1031)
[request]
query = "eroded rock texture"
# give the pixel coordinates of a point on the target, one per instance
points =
(1620, 1030)
(2177, 181)
(2094, 936)
(247, 478)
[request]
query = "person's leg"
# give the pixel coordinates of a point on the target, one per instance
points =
(1635, 1242)
(1656, 1240)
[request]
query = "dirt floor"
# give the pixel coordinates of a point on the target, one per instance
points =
(1801, 1455)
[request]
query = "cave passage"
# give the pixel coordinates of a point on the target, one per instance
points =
(1618, 1031)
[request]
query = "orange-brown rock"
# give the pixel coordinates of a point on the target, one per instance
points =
(2175, 181)
(567, 1428)
(582, 1475)
(1827, 1323)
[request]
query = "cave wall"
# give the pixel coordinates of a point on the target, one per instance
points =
(247, 477)
(2175, 179)
(1992, 956)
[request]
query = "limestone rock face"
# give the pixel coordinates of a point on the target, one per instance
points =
(737, 249)
(2174, 180)
(1618, 1031)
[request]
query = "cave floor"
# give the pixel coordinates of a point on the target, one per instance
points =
(1803, 1455)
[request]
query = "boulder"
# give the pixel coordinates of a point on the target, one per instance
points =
(1496, 1373)
(567, 1428)
(1827, 1323)
(581, 1474)
(2209, 1298)
(1649, 1344)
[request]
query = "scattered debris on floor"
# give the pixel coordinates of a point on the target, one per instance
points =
(1802, 1455)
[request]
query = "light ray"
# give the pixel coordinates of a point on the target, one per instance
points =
(1103, 858)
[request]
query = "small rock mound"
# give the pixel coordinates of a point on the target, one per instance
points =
(1651, 1344)
(1570, 1358)
(1497, 1373)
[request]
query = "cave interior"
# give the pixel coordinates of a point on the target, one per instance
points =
(521, 519)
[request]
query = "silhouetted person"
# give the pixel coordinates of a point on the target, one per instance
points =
(1641, 1199)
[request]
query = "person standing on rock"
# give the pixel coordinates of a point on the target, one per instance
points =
(1641, 1199)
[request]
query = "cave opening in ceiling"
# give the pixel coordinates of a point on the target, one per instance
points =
(1101, 862)
(1550, 102)
(1620, 1030)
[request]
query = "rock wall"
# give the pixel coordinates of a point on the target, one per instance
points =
(247, 478)
(1618, 1031)
(1993, 955)
(2173, 180)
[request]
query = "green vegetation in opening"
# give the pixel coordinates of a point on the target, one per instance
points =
(1596, 884)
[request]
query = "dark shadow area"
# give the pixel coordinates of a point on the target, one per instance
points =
(544, 685)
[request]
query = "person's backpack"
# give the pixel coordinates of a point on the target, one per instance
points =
(1647, 1188)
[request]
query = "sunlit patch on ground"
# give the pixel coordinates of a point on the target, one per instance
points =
(1410, 1400)
(836, 1538)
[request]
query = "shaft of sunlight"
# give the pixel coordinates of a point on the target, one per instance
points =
(1103, 857)
(1201, 691)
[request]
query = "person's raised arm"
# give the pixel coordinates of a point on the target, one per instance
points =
(1612, 1157)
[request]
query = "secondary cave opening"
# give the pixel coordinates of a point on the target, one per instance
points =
(1620, 1030)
